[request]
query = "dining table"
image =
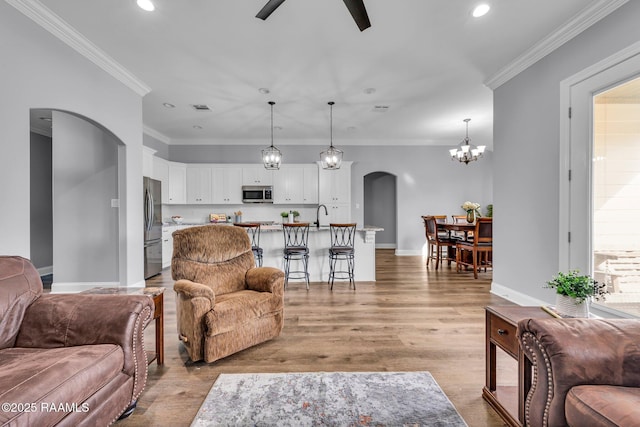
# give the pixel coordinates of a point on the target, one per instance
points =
(464, 227)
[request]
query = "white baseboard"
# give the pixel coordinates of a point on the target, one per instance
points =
(74, 287)
(43, 271)
(386, 245)
(515, 296)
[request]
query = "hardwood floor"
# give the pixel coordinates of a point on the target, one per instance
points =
(410, 319)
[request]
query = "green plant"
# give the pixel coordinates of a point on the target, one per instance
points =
(580, 287)
(295, 214)
(489, 211)
(284, 214)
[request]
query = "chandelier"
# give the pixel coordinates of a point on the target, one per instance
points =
(331, 158)
(466, 152)
(271, 156)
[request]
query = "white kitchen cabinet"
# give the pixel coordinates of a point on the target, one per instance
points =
(199, 185)
(257, 175)
(177, 183)
(167, 245)
(288, 185)
(339, 213)
(310, 185)
(147, 161)
(226, 185)
(334, 186)
(161, 173)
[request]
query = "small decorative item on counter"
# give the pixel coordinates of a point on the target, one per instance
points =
(285, 216)
(237, 217)
(177, 219)
(296, 216)
(574, 293)
(291, 217)
(218, 218)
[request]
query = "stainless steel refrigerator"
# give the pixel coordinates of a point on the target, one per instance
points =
(152, 227)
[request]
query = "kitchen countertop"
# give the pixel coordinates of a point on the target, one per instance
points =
(275, 227)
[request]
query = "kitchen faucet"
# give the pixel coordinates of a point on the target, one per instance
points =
(317, 223)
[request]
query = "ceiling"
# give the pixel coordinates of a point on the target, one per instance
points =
(409, 79)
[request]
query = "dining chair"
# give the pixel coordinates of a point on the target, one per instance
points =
(295, 249)
(253, 230)
(461, 219)
(437, 242)
(480, 249)
(342, 249)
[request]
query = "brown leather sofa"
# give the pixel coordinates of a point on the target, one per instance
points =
(586, 372)
(224, 303)
(67, 359)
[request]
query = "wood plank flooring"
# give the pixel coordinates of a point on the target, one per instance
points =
(410, 319)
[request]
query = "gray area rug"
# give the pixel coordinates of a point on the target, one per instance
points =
(327, 399)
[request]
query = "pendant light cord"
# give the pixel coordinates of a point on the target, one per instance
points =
(271, 103)
(331, 123)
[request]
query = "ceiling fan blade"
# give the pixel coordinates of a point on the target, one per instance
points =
(359, 13)
(269, 8)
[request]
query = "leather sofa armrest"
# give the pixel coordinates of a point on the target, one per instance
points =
(570, 352)
(64, 320)
(265, 279)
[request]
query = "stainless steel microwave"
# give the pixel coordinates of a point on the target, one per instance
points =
(257, 194)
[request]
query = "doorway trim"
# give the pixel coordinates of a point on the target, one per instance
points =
(566, 85)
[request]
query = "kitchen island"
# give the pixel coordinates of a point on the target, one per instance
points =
(272, 244)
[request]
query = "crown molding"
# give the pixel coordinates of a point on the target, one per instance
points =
(155, 134)
(570, 29)
(51, 22)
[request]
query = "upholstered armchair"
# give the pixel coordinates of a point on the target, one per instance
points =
(224, 303)
(586, 372)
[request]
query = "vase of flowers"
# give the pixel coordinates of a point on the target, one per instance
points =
(472, 210)
(574, 293)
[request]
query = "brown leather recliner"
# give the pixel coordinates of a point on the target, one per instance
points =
(586, 372)
(67, 359)
(224, 303)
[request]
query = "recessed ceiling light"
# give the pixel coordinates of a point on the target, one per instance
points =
(146, 5)
(370, 90)
(481, 10)
(168, 105)
(264, 90)
(197, 127)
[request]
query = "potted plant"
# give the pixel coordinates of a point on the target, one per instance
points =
(296, 215)
(574, 292)
(472, 209)
(284, 215)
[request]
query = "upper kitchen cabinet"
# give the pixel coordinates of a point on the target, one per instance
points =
(288, 185)
(177, 184)
(335, 185)
(226, 185)
(147, 161)
(199, 184)
(310, 182)
(256, 175)
(161, 173)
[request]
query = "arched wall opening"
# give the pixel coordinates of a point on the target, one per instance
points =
(381, 206)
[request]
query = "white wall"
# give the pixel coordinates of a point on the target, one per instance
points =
(428, 182)
(526, 150)
(39, 71)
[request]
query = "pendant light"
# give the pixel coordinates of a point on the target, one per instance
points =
(466, 152)
(271, 156)
(331, 158)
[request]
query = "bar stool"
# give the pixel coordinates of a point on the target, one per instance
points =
(253, 230)
(295, 249)
(342, 249)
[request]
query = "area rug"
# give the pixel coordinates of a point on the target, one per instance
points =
(327, 399)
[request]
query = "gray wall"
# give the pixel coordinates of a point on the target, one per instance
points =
(40, 198)
(427, 180)
(380, 206)
(526, 145)
(68, 82)
(85, 179)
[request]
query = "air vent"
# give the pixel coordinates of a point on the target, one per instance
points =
(380, 108)
(201, 107)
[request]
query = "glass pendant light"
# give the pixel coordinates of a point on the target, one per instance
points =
(271, 156)
(331, 158)
(467, 152)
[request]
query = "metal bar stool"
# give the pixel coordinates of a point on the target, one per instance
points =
(296, 249)
(342, 249)
(253, 230)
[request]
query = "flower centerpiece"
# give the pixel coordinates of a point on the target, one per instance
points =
(574, 292)
(472, 209)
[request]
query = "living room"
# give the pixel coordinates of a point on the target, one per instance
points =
(528, 128)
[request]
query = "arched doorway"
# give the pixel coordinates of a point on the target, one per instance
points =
(380, 207)
(75, 203)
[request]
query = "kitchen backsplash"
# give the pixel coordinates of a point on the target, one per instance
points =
(194, 214)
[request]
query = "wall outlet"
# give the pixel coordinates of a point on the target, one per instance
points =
(115, 203)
